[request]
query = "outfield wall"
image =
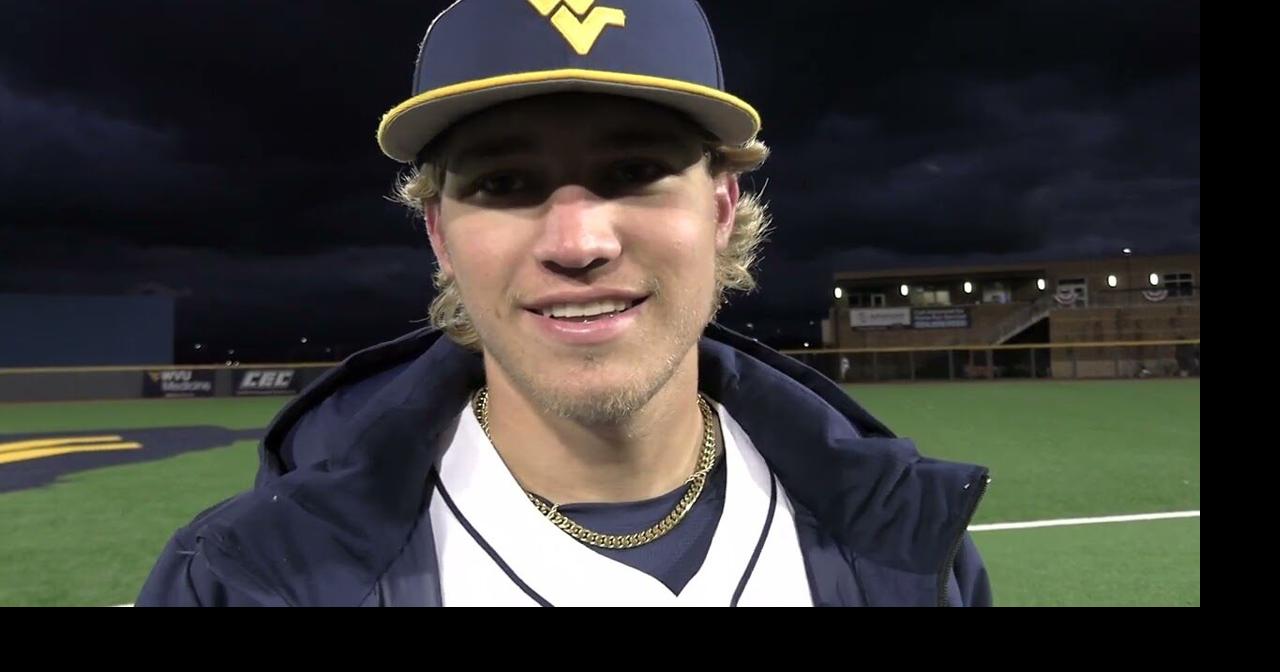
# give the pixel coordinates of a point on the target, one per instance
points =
(1050, 361)
(1054, 361)
(96, 383)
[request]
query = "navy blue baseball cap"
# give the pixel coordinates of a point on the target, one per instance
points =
(479, 53)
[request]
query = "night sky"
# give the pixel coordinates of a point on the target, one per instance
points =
(224, 151)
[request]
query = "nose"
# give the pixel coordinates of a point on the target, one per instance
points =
(578, 232)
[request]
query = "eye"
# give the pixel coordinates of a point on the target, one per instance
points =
(500, 184)
(636, 172)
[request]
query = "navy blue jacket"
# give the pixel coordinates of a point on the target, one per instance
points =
(335, 516)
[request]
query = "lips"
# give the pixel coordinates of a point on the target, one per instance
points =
(586, 323)
(585, 312)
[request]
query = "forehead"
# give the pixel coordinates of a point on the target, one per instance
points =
(571, 121)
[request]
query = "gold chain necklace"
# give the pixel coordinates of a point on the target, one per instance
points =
(696, 481)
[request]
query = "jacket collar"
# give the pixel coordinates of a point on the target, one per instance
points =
(345, 465)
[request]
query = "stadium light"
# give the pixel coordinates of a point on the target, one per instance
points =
(1154, 279)
(198, 346)
(1129, 284)
(304, 339)
(1112, 281)
(1040, 284)
(839, 292)
(904, 290)
(968, 287)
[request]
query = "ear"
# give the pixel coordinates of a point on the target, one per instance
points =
(726, 198)
(435, 232)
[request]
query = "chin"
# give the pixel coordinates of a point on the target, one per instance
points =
(603, 393)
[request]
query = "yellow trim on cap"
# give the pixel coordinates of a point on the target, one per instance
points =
(564, 74)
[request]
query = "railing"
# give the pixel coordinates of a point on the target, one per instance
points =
(1140, 297)
(1010, 326)
(1122, 359)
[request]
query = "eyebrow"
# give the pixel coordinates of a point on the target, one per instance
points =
(490, 149)
(505, 146)
(632, 139)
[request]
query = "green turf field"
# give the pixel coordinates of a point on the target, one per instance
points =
(1056, 450)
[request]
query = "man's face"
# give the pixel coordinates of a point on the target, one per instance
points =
(581, 231)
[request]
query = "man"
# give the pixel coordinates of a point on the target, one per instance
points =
(575, 429)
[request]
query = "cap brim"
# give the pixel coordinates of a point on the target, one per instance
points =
(408, 127)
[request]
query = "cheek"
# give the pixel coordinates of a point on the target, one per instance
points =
(682, 246)
(484, 252)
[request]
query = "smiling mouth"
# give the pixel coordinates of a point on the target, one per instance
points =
(587, 313)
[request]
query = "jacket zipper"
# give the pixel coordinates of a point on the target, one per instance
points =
(943, 600)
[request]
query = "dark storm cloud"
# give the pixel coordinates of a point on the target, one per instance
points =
(65, 261)
(1026, 166)
(237, 126)
(242, 136)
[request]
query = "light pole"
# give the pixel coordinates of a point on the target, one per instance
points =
(1128, 273)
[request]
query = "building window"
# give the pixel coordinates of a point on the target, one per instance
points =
(1072, 292)
(996, 292)
(926, 296)
(877, 300)
(1179, 284)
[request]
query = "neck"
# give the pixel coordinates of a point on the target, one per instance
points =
(645, 455)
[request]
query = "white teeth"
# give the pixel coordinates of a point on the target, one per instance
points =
(585, 309)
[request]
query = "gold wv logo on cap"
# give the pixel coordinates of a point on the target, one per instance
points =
(580, 27)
